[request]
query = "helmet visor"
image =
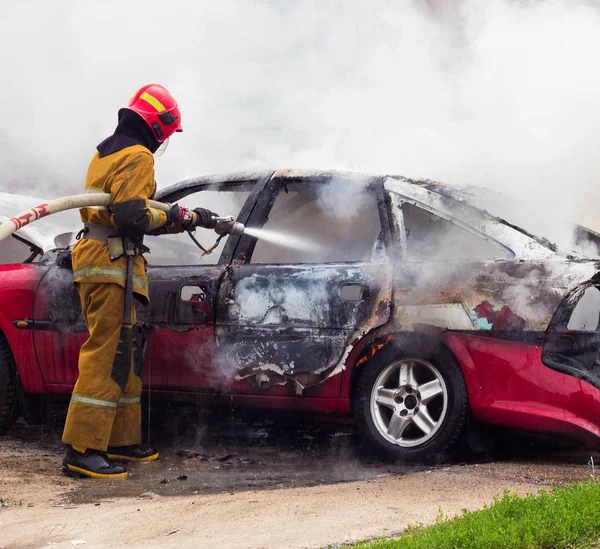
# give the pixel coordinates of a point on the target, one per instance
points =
(161, 150)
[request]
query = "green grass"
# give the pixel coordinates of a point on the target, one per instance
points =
(559, 518)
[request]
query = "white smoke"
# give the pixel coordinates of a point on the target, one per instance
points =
(498, 93)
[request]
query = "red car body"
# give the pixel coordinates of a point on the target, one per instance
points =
(291, 355)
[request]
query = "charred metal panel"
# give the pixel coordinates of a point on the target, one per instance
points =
(58, 301)
(216, 182)
(289, 353)
(63, 306)
(300, 297)
(496, 295)
(58, 337)
(168, 310)
(292, 320)
(572, 344)
(327, 175)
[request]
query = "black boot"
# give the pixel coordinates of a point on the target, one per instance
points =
(91, 463)
(137, 452)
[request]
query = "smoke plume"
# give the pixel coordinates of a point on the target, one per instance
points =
(502, 93)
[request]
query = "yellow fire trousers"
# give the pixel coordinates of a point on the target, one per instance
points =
(105, 405)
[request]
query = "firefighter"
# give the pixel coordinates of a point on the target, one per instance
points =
(103, 424)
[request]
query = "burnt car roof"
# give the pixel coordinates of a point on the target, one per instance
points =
(227, 180)
(465, 195)
(470, 193)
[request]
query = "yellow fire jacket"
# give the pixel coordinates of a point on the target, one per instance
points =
(128, 175)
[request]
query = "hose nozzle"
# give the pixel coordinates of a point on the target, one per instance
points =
(226, 225)
(237, 229)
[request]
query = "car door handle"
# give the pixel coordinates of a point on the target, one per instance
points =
(352, 292)
(192, 293)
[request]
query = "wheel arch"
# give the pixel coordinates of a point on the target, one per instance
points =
(398, 340)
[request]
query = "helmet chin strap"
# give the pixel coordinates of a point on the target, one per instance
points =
(163, 147)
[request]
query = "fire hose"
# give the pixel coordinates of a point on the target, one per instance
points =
(96, 200)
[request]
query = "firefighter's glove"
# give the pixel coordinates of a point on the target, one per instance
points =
(190, 219)
(179, 214)
(224, 227)
(204, 218)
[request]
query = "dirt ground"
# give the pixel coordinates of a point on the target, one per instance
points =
(228, 480)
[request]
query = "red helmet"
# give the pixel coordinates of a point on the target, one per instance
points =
(158, 108)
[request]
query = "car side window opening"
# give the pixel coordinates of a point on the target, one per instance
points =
(428, 236)
(178, 249)
(330, 222)
(586, 313)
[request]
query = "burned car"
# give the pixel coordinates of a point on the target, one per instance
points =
(396, 301)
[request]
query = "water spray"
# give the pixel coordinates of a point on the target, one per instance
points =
(283, 239)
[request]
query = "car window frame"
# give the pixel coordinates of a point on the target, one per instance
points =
(256, 183)
(399, 200)
(564, 311)
(278, 183)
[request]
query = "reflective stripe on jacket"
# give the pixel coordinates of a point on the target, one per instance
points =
(128, 175)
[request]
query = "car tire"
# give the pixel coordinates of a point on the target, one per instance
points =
(411, 402)
(9, 404)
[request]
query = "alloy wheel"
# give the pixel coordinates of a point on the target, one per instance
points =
(409, 401)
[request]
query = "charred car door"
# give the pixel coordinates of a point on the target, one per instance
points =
(183, 291)
(184, 286)
(572, 342)
(318, 277)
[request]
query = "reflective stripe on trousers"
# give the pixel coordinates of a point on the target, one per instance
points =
(89, 273)
(91, 401)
